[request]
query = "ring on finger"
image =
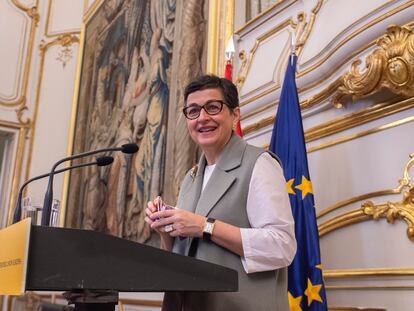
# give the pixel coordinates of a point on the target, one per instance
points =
(168, 228)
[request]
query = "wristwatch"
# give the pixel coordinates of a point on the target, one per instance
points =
(208, 229)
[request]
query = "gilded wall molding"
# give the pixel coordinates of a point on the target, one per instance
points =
(27, 127)
(64, 40)
(308, 27)
(258, 125)
(91, 11)
(354, 309)
(391, 211)
(48, 17)
(366, 115)
(340, 124)
(341, 221)
(361, 134)
(240, 78)
(21, 131)
(359, 198)
(220, 39)
(267, 13)
(368, 287)
(24, 124)
(229, 21)
(20, 102)
(226, 27)
(31, 11)
(247, 62)
(350, 37)
(381, 273)
(357, 135)
(72, 123)
(362, 273)
(213, 21)
(390, 67)
(303, 29)
(326, 93)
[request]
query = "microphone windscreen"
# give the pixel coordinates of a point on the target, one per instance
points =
(104, 160)
(129, 148)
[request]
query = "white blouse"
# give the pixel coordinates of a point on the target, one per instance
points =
(270, 242)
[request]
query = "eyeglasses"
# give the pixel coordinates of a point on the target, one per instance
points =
(212, 107)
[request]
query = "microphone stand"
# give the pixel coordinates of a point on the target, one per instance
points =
(101, 161)
(47, 203)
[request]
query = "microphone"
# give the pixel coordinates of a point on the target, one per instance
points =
(100, 161)
(47, 203)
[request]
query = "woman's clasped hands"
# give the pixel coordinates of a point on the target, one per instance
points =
(172, 221)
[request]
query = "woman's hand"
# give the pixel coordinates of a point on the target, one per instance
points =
(181, 223)
(166, 239)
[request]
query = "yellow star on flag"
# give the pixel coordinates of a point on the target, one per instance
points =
(319, 266)
(305, 187)
(312, 292)
(289, 185)
(294, 303)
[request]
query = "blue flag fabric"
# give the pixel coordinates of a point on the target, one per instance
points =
(306, 290)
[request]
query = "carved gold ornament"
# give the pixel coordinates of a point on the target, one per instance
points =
(390, 67)
(241, 76)
(397, 210)
(65, 52)
(391, 211)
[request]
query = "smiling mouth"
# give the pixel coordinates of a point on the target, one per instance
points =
(206, 130)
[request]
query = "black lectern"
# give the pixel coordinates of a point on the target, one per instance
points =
(89, 264)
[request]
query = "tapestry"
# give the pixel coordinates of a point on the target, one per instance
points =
(123, 98)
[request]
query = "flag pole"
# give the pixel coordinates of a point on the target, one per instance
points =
(228, 65)
(292, 48)
(228, 74)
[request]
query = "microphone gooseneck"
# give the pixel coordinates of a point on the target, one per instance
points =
(100, 161)
(47, 203)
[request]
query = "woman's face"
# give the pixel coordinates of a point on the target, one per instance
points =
(211, 132)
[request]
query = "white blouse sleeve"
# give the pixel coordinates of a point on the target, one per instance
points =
(270, 242)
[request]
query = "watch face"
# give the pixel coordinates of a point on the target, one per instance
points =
(208, 227)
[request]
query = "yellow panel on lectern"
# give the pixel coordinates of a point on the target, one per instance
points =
(14, 246)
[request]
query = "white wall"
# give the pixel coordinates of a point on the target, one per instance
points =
(363, 156)
(35, 81)
(36, 91)
(39, 65)
(38, 79)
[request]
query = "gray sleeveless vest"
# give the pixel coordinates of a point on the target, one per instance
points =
(224, 198)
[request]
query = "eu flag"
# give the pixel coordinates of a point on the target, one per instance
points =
(306, 290)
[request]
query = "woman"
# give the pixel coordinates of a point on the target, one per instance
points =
(232, 210)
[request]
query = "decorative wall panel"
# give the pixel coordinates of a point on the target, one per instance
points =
(57, 21)
(355, 82)
(16, 59)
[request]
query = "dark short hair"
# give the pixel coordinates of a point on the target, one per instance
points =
(204, 82)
